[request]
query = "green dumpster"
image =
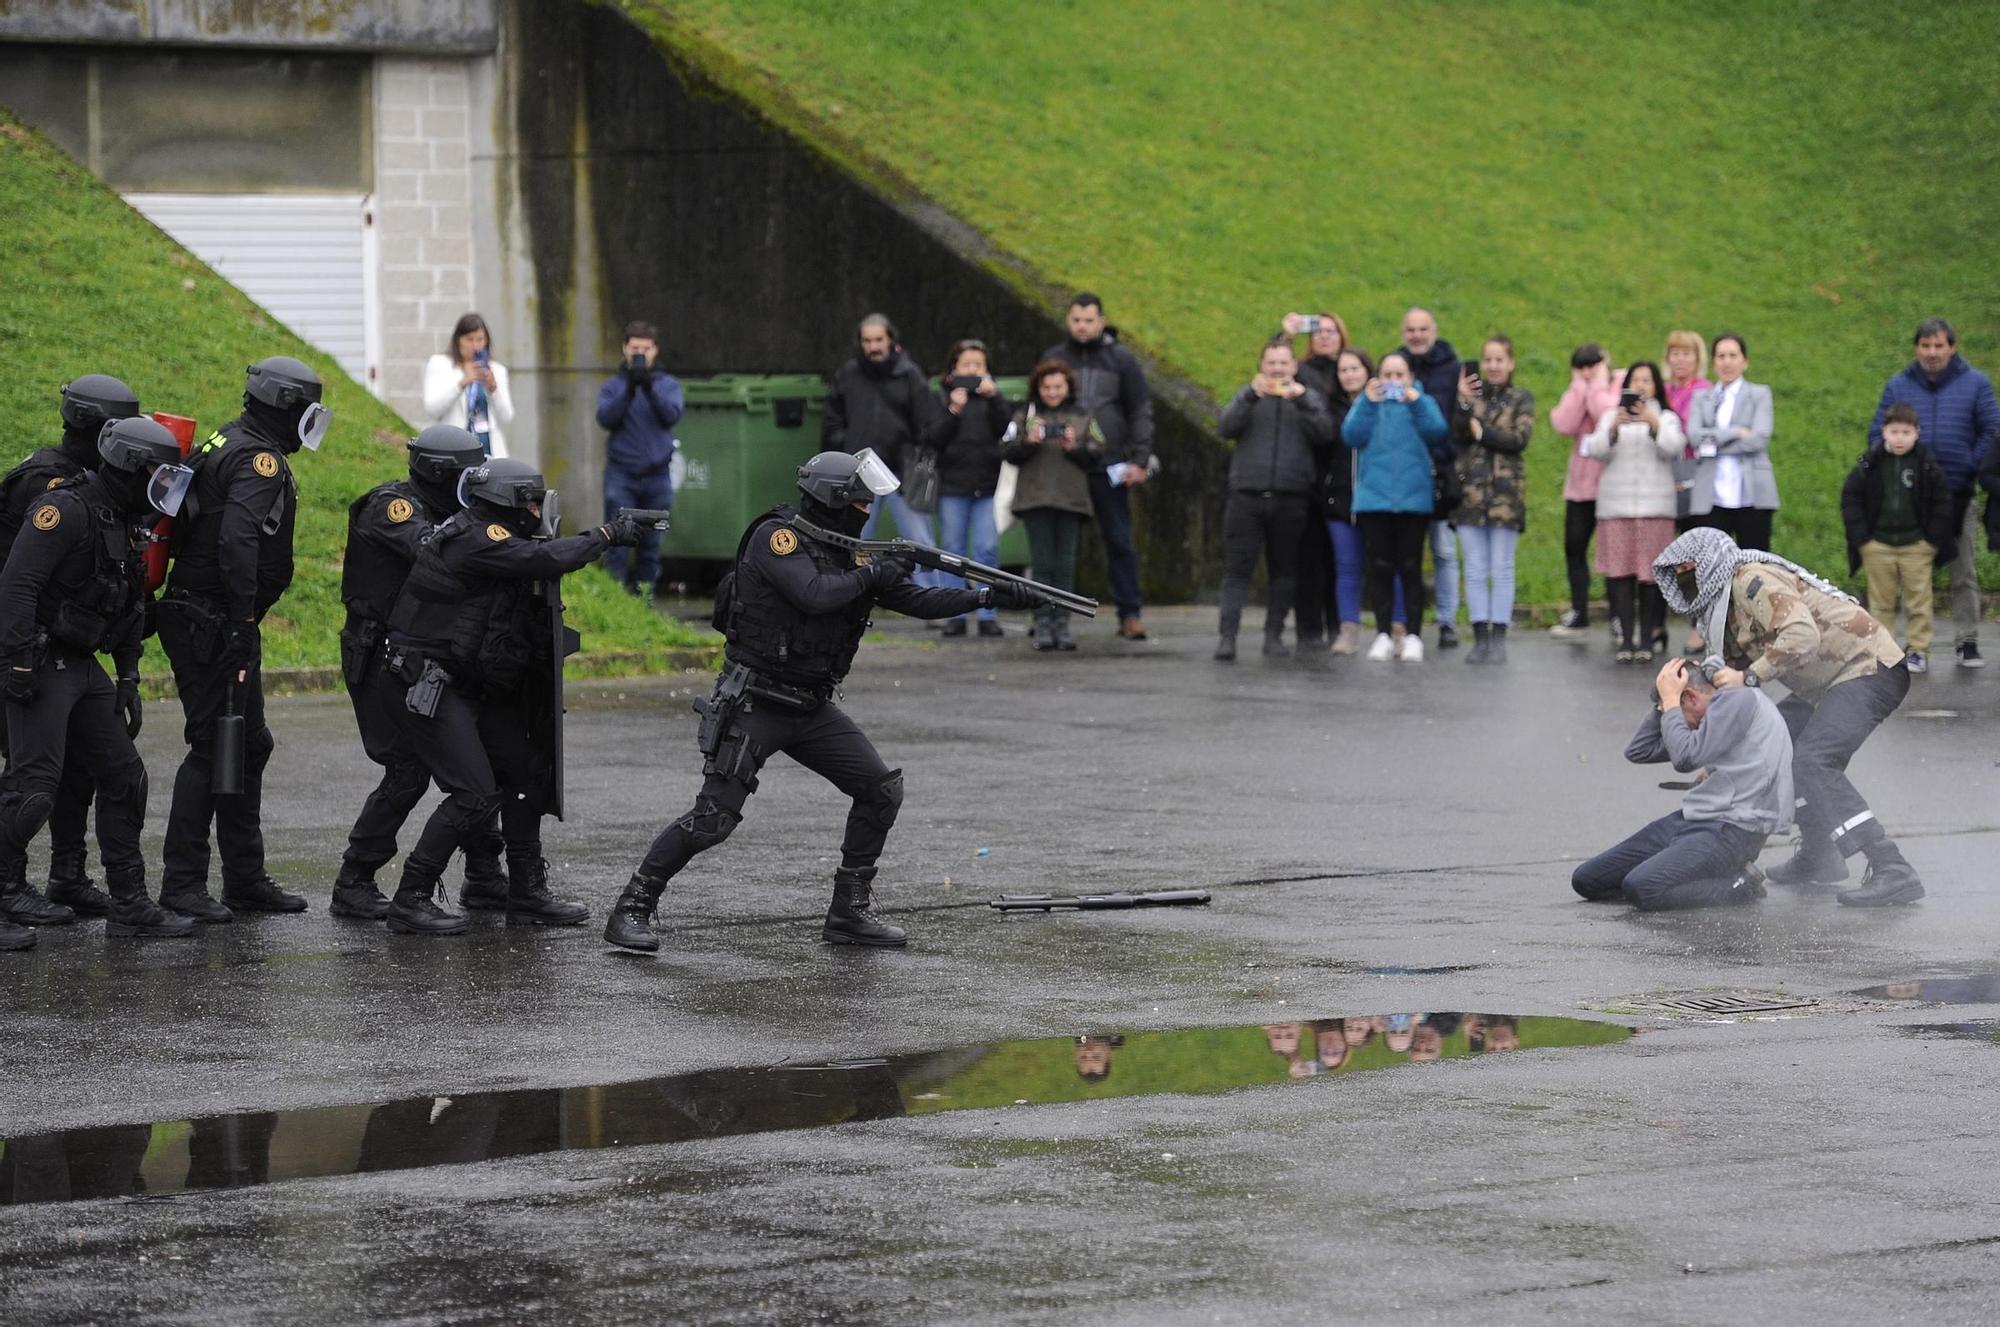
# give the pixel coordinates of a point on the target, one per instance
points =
(743, 439)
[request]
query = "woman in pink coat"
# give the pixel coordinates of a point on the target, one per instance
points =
(1593, 392)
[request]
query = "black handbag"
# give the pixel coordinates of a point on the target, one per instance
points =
(1447, 492)
(920, 481)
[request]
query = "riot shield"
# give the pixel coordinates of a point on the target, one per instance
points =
(548, 725)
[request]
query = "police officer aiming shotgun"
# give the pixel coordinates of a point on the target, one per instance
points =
(794, 610)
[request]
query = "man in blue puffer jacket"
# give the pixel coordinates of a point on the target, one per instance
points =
(639, 407)
(1958, 420)
(1400, 437)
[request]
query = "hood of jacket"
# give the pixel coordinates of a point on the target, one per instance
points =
(1954, 367)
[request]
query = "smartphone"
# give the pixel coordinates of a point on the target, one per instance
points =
(480, 358)
(1628, 401)
(964, 380)
(1309, 324)
(637, 363)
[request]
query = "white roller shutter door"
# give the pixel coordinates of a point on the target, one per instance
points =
(302, 257)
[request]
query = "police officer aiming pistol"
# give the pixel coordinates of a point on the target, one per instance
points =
(476, 644)
(75, 585)
(232, 562)
(794, 610)
(88, 404)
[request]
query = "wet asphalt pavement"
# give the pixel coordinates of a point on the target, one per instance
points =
(1379, 840)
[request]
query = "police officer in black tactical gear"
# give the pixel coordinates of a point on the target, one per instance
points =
(88, 404)
(794, 611)
(232, 561)
(473, 643)
(74, 585)
(386, 528)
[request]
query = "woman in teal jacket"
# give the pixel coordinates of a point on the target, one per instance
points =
(1399, 438)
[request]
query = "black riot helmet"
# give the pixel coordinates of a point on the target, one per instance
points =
(141, 466)
(832, 482)
(285, 394)
(441, 452)
(93, 399)
(512, 491)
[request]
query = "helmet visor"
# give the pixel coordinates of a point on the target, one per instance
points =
(168, 488)
(551, 525)
(879, 478)
(313, 425)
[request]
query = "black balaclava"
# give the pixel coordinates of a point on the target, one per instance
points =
(845, 519)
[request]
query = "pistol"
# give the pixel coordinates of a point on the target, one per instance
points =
(423, 698)
(659, 520)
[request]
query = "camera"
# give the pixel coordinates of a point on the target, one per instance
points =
(636, 364)
(1628, 401)
(967, 381)
(1393, 391)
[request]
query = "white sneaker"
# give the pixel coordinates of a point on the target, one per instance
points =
(1413, 648)
(1380, 651)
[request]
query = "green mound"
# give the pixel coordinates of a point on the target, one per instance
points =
(1814, 176)
(92, 286)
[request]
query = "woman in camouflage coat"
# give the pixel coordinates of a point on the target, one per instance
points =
(1490, 430)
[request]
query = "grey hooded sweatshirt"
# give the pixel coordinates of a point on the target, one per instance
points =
(1746, 748)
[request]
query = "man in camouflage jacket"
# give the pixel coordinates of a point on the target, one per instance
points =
(1777, 622)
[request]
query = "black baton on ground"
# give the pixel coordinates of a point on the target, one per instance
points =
(1164, 898)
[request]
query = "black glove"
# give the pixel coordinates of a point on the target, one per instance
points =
(1005, 595)
(622, 532)
(20, 688)
(242, 647)
(636, 378)
(888, 569)
(128, 705)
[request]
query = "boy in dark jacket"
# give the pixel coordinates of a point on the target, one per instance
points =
(1898, 507)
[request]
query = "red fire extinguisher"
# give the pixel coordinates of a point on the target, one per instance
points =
(156, 555)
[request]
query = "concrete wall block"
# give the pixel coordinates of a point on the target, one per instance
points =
(408, 218)
(443, 122)
(396, 154)
(448, 187)
(395, 122)
(398, 186)
(454, 282)
(399, 249)
(449, 154)
(446, 85)
(446, 250)
(402, 82)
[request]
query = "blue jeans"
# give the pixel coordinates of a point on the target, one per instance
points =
(911, 524)
(1489, 571)
(647, 492)
(1349, 564)
(1113, 505)
(1444, 559)
(959, 518)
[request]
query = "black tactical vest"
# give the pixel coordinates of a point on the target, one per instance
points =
(485, 631)
(768, 634)
(198, 529)
(371, 576)
(97, 611)
(26, 482)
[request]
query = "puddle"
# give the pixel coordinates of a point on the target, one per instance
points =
(1983, 1030)
(1979, 988)
(234, 1151)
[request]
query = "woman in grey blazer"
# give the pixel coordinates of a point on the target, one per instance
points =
(1729, 427)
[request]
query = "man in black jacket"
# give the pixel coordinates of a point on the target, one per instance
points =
(1112, 387)
(232, 562)
(880, 401)
(1899, 509)
(88, 404)
(1435, 364)
(1277, 424)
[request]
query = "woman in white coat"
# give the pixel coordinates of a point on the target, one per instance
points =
(467, 389)
(1729, 426)
(1638, 443)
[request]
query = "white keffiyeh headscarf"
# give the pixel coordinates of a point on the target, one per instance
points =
(1716, 557)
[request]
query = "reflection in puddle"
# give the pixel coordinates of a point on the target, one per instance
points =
(235, 1151)
(1979, 988)
(1976, 1030)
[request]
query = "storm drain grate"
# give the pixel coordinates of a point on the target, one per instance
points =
(1738, 1003)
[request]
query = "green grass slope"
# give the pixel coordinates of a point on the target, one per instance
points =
(1817, 175)
(92, 286)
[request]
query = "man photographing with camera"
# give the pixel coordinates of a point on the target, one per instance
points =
(1704, 854)
(639, 406)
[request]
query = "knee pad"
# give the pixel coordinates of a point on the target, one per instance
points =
(882, 800)
(709, 823)
(257, 749)
(23, 817)
(126, 789)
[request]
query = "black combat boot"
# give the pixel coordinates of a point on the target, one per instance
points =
(529, 902)
(133, 914)
(16, 937)
(356, 895)
(415, 910)
(70, 885)
(261, 895)
(1225, 649)
(1447, 636)
(1820, 864)
(848, 920)
(22, 905)
(1888, 882)
(485, 887)
(193, 901)
(1496, 647)
(630, 925)
(1482, 643)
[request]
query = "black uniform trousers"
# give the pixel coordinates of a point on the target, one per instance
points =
(1270, 525)
(1824, 738)
(483, 756)
(1672, 863)
(73, 722)
(206, 691)
(822, 739)
(71, 816)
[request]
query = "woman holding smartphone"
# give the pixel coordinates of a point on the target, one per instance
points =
(1400, 437)
(1639, 443)
(467, 388)
(1730, 426)
(1057, 445)
(968, 450)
